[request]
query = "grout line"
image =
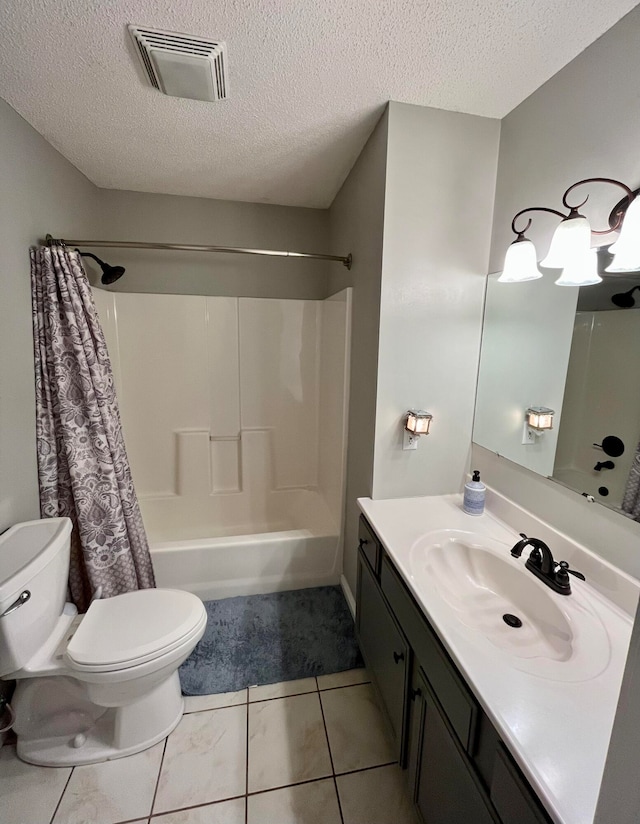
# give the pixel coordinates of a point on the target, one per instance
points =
(343, 686)
(155, 792)
(61, 796)
(269, 790)
(335, 786)
(159, 815)
(366, 769)
(246, 758)
(280, 697)
(333, 769)
(288, 786)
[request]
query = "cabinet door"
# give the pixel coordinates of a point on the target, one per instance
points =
(445, 791)
(511, 795)
(384, 648)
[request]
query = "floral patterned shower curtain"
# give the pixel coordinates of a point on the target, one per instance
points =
(631, 500)
(83, 469)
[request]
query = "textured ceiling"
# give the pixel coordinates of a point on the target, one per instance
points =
(308, 81)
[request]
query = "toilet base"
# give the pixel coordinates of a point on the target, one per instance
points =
(58, 726)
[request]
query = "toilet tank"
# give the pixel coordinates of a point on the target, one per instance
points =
(34, 569)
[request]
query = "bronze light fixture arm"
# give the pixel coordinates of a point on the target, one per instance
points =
(520, 232)
(630, 195)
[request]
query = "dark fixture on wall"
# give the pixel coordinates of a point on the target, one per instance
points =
(603, 490)
(110, 274)
(570, 248)
(625, 300)
(611, 446)
(604, 465)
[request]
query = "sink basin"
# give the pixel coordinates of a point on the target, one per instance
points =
(478, 582)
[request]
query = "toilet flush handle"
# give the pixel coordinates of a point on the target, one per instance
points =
(20, 600)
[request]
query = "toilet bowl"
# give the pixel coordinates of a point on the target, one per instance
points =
(90, 687)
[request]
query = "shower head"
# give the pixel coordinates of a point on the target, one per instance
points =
(625, 300)
(110, 274)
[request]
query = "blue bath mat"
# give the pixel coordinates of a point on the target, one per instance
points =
(264, 639)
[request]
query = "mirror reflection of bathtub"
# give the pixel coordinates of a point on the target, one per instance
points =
(573, 350)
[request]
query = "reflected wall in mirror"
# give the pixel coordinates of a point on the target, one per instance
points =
(572, 350)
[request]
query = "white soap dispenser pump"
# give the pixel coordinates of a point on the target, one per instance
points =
(474, 495)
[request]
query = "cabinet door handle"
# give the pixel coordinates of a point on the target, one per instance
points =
(362, 543)
(415, 693)
(398, 656)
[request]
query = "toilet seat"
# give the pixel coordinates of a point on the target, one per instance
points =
(134, 628)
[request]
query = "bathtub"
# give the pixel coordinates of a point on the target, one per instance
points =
(202, 548)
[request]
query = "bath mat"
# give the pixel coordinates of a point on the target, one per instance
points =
(264, 639)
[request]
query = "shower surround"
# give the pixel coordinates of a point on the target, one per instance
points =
(234, 413)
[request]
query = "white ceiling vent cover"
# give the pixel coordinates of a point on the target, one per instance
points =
(183, 66)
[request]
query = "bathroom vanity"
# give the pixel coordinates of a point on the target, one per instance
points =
(493, 723)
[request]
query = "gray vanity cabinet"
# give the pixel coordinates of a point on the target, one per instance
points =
(384, 648)
(445, 788)
(459, 772)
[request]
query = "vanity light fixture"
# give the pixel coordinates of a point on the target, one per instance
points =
(416, 422)
(570, 248)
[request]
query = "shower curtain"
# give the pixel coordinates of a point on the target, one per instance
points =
(631, 499)
(83, 470)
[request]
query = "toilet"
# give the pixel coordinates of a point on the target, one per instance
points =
(90, 687)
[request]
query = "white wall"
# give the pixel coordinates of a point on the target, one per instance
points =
(440, 180)
(41, 192)
(174, 219)
(335, 356)
(356, 222)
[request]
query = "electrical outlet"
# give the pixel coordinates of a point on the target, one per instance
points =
(528, 435)
(410, 440)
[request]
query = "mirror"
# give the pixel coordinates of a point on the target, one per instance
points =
(571, 350)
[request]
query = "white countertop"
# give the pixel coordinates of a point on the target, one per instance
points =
(557, 731)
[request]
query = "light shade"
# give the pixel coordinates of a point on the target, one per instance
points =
(520, 263)
(418, 421)
(626, 249)
(581, 271)
(570, 240)
(540, 418)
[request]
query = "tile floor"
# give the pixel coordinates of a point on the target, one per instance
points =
(313, 751)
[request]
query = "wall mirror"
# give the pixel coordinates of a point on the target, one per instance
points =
(572, 350)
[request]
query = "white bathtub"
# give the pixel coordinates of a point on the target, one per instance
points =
(247, 564)
(196, 548)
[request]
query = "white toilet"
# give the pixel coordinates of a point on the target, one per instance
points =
(91, 687)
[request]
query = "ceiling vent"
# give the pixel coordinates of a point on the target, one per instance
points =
(183, 66)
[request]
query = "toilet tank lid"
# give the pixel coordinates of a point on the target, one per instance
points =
(26, 548)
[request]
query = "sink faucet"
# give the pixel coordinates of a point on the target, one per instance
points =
(544, 566)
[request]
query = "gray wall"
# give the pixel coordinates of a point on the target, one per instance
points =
(356, 222)
(41, 192)
(174, 219)
(441, 172)
(584, 122)
(44, 193)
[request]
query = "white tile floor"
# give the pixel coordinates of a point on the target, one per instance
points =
(313, 751)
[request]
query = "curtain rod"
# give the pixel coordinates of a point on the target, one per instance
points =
(188, 247)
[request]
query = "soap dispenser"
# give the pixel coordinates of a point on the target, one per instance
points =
(474, 494)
